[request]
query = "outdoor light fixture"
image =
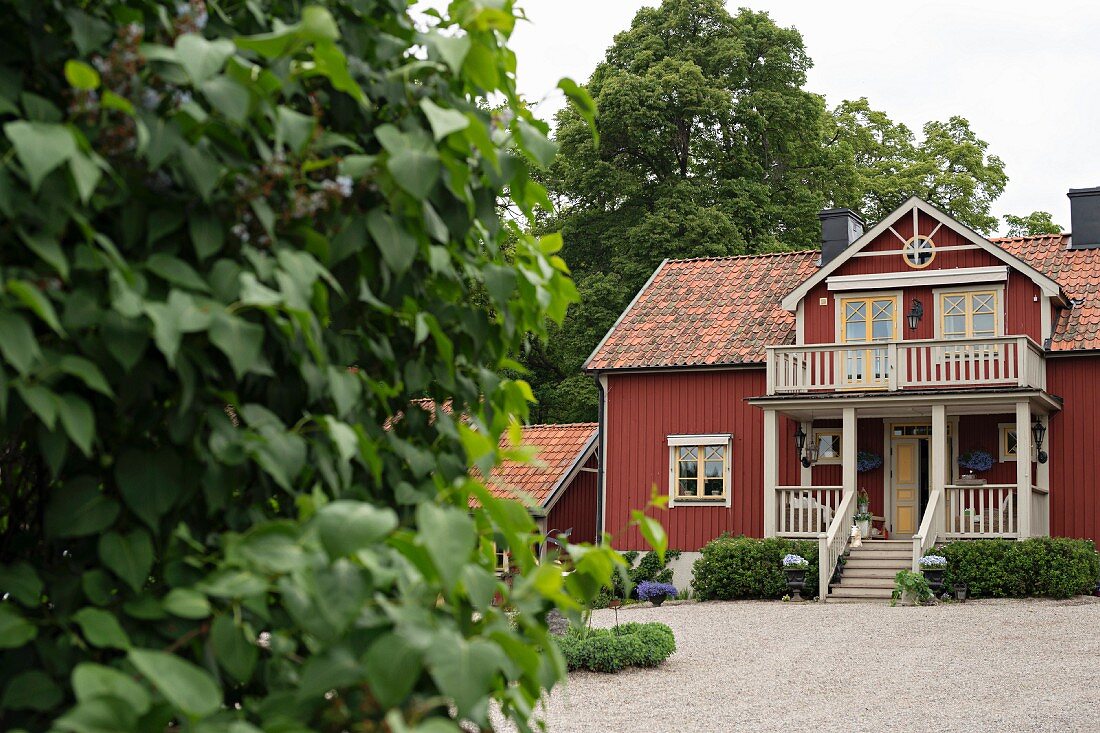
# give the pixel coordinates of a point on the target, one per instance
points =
(807, 454)
(916, 311)
(1038, 432)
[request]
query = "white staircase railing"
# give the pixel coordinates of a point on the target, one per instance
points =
(832, 544)
(805, 511)
(925, 538)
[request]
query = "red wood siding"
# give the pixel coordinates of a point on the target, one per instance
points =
(1074, 460)
(644, 409)
(577, 506)
(869, 438)
(982, 432)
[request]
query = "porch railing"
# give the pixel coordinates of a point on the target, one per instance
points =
(901, 365)
(926, 536)
(833, 543)
(1040, 512)
(982, 511)
(805, 511)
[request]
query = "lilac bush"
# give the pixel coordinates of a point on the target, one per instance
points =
(650, 589)
(976, 460)
(795, 561)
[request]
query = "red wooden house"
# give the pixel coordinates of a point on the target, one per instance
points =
(763, 393)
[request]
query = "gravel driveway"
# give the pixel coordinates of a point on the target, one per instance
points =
(999, 665)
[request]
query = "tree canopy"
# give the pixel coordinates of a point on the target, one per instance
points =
(710, 145)
(1037, 222)
(240, 239)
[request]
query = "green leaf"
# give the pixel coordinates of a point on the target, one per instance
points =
(128, 556)
(15, 631)
(271, 548)
(48, 250)
(150, 483)
(89, 33)
(451, 48)
(415, 170)
(207, 234)
(241, 342)
(318, 24)
(187, 687)
(80, 75)
(41, 401)
(234, 652)
(78, 509)
(41, 147)
(346, 527)
(22, 582)
(464, 670)
(535, 142)
(98, 715)
(176, 271)
(17, 342)
(293, 128)
(200, 58)
(186, 603)
(86, 175)
(202, 168)
(448, 536)
(78, 420)
(228, 97)
(37, 302)
(86, 371)
(583, 103)
(95, 680)
(393, 666)
(443, 121)
(171, 320)
(653, 533)
(397, 246)
(101, 628)
(31, 690)
(98, 586)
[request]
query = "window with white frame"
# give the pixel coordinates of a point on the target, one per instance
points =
(828, 446)
(969, 314)
(699, 470)
(1007, 432)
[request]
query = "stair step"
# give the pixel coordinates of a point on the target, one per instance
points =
(883, 555)
(876, 593)
(888, 543)
(885, 573)
(863, 562)
(849, 582)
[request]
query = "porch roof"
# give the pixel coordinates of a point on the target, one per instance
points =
(972, 400)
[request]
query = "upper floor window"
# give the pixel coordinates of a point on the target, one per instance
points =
(868, 319)
(919, 252)
(700, 469)
(969, 314)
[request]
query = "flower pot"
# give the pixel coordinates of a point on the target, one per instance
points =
(935, 579)
(864, 528)
(796, 581)
(864, 508)
(960, 592)
(658, 600)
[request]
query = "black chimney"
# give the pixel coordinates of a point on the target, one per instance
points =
(1084, 216)
(839, 228)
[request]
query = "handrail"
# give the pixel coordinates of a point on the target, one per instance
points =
(834, 542)
(918, 342)
(925, 538)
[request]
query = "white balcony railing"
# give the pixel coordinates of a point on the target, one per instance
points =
(981, 511)
(900, 365)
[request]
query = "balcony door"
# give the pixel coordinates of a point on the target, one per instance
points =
(867, 320)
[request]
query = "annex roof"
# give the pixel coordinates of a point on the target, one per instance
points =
(562, 450)
(706, 312)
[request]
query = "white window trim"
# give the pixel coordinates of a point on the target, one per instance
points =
(899, 301)
(919, 278)
(998, 308)
(836, 460)
(675, 441)
(1001, 428)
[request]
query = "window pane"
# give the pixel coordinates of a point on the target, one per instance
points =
(714, 469)
(983, 303)
(984, 324)
(953, 305)
(882, 330)
(688, 452)
(954, 327)
(828, 446)
(688, 487)
(714, 487)
(715, 453)
(1010, 442)
(855, 331)
(689, 469)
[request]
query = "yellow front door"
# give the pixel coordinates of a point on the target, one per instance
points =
(906, 475)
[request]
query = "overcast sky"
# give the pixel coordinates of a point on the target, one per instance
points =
(1026, 74)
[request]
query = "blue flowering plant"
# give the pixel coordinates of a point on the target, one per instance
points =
(933, 562)
(795, 562)
(976, 460)
(650, 589)
(867, 461)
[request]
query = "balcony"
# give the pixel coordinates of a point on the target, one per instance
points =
(1007, 361)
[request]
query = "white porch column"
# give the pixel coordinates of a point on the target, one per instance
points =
(1042, 479)
(848, 451)
(1023, 468)
(938, 458)
(771, 469)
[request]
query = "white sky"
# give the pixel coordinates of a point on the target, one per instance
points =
(1026, 74)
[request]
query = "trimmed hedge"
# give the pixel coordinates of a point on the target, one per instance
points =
(745, 567)
(610, 650)
(1054, 567)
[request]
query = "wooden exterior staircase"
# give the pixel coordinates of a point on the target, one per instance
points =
(868, 574)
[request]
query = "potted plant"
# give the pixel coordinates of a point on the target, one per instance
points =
(933, 567)
(654, 592)
(910, 588)
(960, 591)
(796, 566)
(863, 501)
(975, 461)
(863, 521)
(867, 461)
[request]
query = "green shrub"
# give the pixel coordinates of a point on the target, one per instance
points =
(906, 581)
(610, 650)
(745, 567)
(650, 567)
(1054, 567)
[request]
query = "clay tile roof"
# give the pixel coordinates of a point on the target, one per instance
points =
(559, 447)
(707, 312)
(1078, 272)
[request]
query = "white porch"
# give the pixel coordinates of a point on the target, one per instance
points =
(1015, 506)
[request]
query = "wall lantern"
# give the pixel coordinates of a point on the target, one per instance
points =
(916, 311)
(1038, 432)
(807, 454)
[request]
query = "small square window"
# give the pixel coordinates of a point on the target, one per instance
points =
(828, 446)
(700, 472)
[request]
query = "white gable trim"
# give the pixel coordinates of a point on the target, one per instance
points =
(961, 276)
(1048, 286)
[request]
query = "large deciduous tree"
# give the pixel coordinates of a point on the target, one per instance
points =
(1037, 222)
(239, 240)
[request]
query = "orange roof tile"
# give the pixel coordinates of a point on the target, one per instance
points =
(707, 312)
(1078, 272)
(559, 447)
